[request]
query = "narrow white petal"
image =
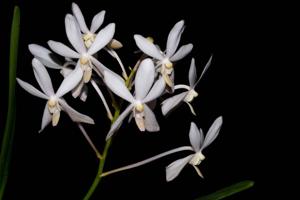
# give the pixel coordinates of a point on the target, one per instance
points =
(144, 78)
(151, 124)
(192, 73)
(99, 66)
(102, 39)
(75, 115)
(32, 90)
(195, 137)
(62, 49)
(213, 132)
(198, 171)
(173, 170)
(116, 125)
(156, 90)
(182, 52)
(191, 108)
(47, 117)
(97, 21)
(117, 86)
(204, 70)
(45, 56)
(172, 102)
(148, 47)
(79, 17)
(70, 82)
(201, 137)
(42, 77)
(174, 38)
(74, 34)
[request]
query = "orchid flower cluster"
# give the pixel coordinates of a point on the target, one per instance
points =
(152, 77)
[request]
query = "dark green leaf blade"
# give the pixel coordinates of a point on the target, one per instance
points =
(228, 191)
(7, 140)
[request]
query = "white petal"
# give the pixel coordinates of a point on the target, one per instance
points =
(42, 77)
(97, 21)
(74, 34)
(173, 170)
(156, 90)
(195, 137)
(62, 49)
(192, 73)
(182, 52)
(191, 108)
(144, 78)
(198, 171)
(102, 39)
(32, 90)
(45, 56)
(99, 66)
(172, 102)
(204, 70)
(213, 132)
(116, 125)
(148, 47)
(47, 117)
(174, 38)
(151, 124)
(117, 86)
(79, 17)
(70, 82)
(75, 115)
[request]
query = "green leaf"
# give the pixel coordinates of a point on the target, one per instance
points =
(7, 141)
(228, 191)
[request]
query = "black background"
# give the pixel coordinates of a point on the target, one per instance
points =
(58, 163)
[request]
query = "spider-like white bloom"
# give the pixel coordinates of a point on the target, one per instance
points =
(144, 93)
(49, 59)
(165, 59)
(198, 143)
(89, 35)
(55, 102)
(186, 96)
(84, 56)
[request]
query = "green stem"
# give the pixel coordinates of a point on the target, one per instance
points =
(109, 141)
(101, 163)
(7, 140)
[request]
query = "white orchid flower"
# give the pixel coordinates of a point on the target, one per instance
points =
(198, 143)
(144, 93)
(186, 96)
(48, 59)
(84, 56)
(89, 35)
(55, 102)
(166, 59)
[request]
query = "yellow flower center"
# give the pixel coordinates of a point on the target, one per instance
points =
(197, 158)
(190, 96)
(84, 60)
(89, 38)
